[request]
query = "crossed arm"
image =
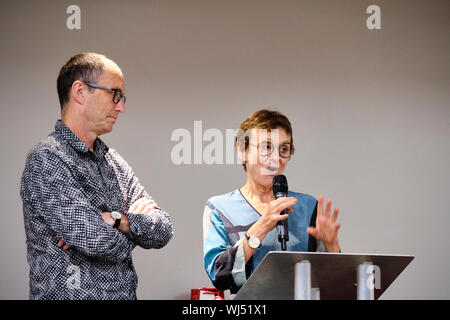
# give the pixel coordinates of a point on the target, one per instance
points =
(50, 191)
(140, 206)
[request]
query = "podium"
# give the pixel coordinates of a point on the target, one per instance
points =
(285, 275)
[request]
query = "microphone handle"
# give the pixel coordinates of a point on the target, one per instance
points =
(282, 226)
(281, 230)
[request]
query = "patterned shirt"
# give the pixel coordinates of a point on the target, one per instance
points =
(65, 187)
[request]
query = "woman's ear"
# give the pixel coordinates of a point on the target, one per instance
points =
(240, 149)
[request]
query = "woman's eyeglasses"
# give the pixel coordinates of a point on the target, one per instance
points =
(266, 148)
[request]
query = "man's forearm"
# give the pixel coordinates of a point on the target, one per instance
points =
(148, 233)
(124, 226)
(152, 230)
(113, 246)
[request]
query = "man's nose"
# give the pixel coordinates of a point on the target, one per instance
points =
(120, 107)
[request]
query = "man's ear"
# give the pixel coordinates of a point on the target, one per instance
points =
(78, 92)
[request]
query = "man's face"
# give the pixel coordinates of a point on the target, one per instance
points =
(101, 112)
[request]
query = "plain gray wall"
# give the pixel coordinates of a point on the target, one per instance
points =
(370, 111)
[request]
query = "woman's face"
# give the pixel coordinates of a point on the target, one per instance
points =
(263, 154)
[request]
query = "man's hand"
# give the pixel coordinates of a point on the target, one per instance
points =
(62, 244)
(326, 227)
(142, 206)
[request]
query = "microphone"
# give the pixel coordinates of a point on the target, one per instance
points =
(280, 189)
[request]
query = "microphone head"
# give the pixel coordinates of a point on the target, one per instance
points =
(279, 184)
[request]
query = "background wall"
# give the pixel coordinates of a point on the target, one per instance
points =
(370, 110)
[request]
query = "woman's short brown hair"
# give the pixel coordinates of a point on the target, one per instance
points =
(262, 119)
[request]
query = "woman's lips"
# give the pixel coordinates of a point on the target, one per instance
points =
(270, 171)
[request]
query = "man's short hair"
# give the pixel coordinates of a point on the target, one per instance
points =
(85, 66)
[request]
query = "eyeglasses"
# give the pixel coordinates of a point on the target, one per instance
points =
(117, 92)
(266, 148)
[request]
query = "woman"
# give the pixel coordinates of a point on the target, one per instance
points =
(239, 227)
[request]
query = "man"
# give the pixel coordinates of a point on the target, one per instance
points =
(84, 209)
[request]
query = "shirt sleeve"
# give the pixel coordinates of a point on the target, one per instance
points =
(224, 263)
(152, 230)
(56, 197)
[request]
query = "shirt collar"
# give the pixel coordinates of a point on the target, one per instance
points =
(100, 148)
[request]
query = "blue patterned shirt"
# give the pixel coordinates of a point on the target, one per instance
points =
(227, 218)
(65, 187)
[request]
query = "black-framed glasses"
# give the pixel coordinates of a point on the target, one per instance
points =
(117, 92)
(265, 149)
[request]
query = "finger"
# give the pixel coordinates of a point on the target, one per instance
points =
(142, 205)
(281, 217)
(328, 208)
(142, 202)
(136, 204)
(149, 208)
(60, 243)
(312, 231)
(338, 226)
(320, 206)
(283, 200)
(335, 215)
(66, 246)
(284, 203)
(146, 208)
(152, 203)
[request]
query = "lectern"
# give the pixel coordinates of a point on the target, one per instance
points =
(285, 275)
